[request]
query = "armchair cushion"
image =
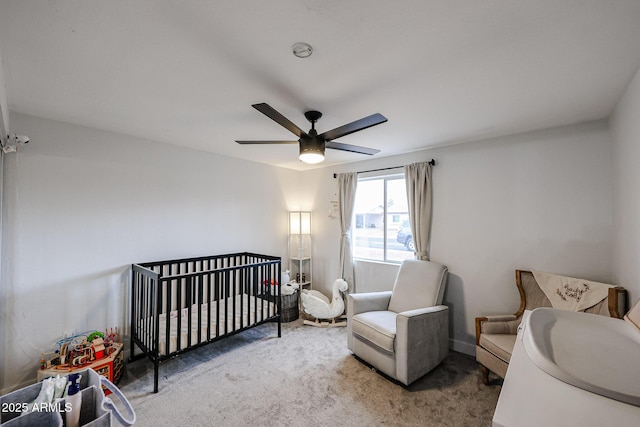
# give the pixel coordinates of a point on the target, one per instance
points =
(501, 345)
(376, 327)
(418, 284)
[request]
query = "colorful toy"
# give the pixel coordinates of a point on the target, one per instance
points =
(80, 350)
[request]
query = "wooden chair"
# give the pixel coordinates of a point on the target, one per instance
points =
(496, 335)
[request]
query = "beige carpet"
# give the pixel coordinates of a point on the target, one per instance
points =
(306, 378)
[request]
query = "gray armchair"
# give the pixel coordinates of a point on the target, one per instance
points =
(404, 333)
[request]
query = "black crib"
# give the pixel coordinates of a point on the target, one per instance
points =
(183, 304)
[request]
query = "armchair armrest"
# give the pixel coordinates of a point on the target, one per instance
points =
(498, 324)
(421, 311)
(407, 321)
(422, 340)
(367, 301)
(362, 303)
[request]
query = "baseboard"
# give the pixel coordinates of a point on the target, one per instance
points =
(462, 347)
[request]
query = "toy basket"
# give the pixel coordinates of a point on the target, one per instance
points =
(97, 410)
(290, 310)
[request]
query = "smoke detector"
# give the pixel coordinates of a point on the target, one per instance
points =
(302, 50)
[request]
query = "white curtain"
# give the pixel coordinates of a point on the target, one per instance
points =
(347, 183)
(418, 179)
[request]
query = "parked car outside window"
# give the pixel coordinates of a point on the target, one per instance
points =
(405, 236)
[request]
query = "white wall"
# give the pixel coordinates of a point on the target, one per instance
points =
(81, 205)
(540, 200)
(625, 128)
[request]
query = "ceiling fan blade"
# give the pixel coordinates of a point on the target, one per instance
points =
(352, 148)
(367, 122)
(270, 112)
(267, 142)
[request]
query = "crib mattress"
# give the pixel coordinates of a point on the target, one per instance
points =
(253, 310)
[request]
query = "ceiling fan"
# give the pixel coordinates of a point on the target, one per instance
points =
(312, 145)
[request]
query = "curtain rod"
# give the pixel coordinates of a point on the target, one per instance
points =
(432, 162)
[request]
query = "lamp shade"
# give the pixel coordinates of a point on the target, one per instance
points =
(311, 158)
(311, 150)
(300, 222)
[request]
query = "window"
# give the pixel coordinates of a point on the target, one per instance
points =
(381, 220)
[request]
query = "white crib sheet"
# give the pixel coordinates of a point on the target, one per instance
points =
(252, 311)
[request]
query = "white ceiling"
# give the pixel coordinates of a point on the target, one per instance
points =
(442, 71)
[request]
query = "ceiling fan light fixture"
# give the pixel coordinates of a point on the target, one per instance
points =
(311, 158)
(312, 144)
(311, 150)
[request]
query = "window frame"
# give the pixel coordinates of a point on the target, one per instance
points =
(386, 176)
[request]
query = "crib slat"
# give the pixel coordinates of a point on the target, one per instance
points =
(228, 300)
(234, 295)
(169, 298)
(217, 285)
(189, 303)
(199, 302)
(179, 316)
